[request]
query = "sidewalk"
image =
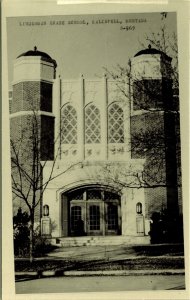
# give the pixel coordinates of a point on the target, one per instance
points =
(39, 274)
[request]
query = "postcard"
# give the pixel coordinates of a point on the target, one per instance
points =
(95, 129)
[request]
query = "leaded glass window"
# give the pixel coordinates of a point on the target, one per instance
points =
(93, 195)
(92, 124)
(115, 124)
(76, 195)
(69, 125)
(109, 196)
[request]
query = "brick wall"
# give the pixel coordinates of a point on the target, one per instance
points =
(32, 95)
(47, 138)
(154, 138)
(46, 96)
(17, 97)
(155, 200)
(147, 134)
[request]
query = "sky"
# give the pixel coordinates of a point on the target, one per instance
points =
(84, 48)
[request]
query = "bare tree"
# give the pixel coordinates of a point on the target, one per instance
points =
(31, 149)
(155, 130)
(150, 139)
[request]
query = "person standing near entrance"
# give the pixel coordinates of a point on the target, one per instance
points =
(80, 227)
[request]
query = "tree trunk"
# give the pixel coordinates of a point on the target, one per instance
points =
(31, 239)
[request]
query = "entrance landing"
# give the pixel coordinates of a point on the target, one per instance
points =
(100, 241)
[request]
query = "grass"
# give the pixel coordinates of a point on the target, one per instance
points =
(159, 250)
(145, 263)
(147, 257)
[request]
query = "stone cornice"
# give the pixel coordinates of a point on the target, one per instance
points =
(30, 112)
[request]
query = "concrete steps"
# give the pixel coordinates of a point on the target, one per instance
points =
(100, 241)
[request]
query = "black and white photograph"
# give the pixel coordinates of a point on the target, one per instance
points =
(95, 153)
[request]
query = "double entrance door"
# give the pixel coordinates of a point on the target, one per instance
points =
(94, 212)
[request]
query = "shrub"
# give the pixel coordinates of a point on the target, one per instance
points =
(21, 233)
(41, 245)
(166, 228)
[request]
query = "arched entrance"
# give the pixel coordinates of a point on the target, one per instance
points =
(92, 211)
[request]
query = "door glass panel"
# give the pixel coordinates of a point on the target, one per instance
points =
(75, 216)
(94, 217)
(112, 217)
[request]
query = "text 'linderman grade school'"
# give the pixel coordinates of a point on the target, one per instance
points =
(81, 22)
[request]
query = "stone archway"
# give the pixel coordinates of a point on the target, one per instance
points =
(91, 210)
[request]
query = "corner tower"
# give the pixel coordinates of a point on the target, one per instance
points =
(32, 119)
(152, 82)
(153, 128)
(34, 74)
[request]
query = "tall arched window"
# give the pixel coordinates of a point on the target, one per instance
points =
(69, 125)
(92, 124)
(115, 124)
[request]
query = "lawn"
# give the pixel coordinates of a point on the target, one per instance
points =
(158, 250)
(145, 263)
(148, 257)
